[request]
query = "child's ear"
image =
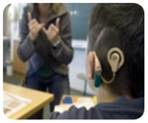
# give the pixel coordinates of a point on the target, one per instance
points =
(91, 63)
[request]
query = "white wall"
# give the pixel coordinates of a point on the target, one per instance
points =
(6, 22)
(78, 66)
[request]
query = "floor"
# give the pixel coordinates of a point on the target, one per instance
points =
(17, 78)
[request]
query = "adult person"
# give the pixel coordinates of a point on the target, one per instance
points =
(115, 63)
(45, 42)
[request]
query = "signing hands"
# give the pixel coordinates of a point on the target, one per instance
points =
(34, 27)
(52, 32)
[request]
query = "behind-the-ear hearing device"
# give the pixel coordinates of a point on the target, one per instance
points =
(115, 59)
(97, 80)
(97, 71)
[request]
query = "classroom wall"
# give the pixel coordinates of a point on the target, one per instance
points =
(80, 14)
(78, 66)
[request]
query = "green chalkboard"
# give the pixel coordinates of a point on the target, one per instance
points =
(80, 14)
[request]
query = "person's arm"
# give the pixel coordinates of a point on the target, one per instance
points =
(26, 46)
(29, 32)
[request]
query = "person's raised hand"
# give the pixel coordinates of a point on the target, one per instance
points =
(52, 32)
(34, 27)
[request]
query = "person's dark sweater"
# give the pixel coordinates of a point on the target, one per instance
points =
(122, 108)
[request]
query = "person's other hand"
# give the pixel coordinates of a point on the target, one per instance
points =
(52, 32)
(34, 27)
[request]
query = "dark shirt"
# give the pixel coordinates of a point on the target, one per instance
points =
(45, 71)
(122, 108)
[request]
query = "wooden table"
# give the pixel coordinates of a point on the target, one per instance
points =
(38, 100)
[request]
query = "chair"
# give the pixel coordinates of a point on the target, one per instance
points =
(82, 76)
(22, 82)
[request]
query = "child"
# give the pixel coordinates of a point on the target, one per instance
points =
(115, 63)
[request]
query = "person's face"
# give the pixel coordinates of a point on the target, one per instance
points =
(43, 5)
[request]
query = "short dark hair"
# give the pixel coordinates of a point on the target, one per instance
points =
(121, 25)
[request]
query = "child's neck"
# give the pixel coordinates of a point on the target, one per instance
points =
(104, 95)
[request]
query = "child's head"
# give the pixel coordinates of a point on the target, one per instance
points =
(116, 39)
